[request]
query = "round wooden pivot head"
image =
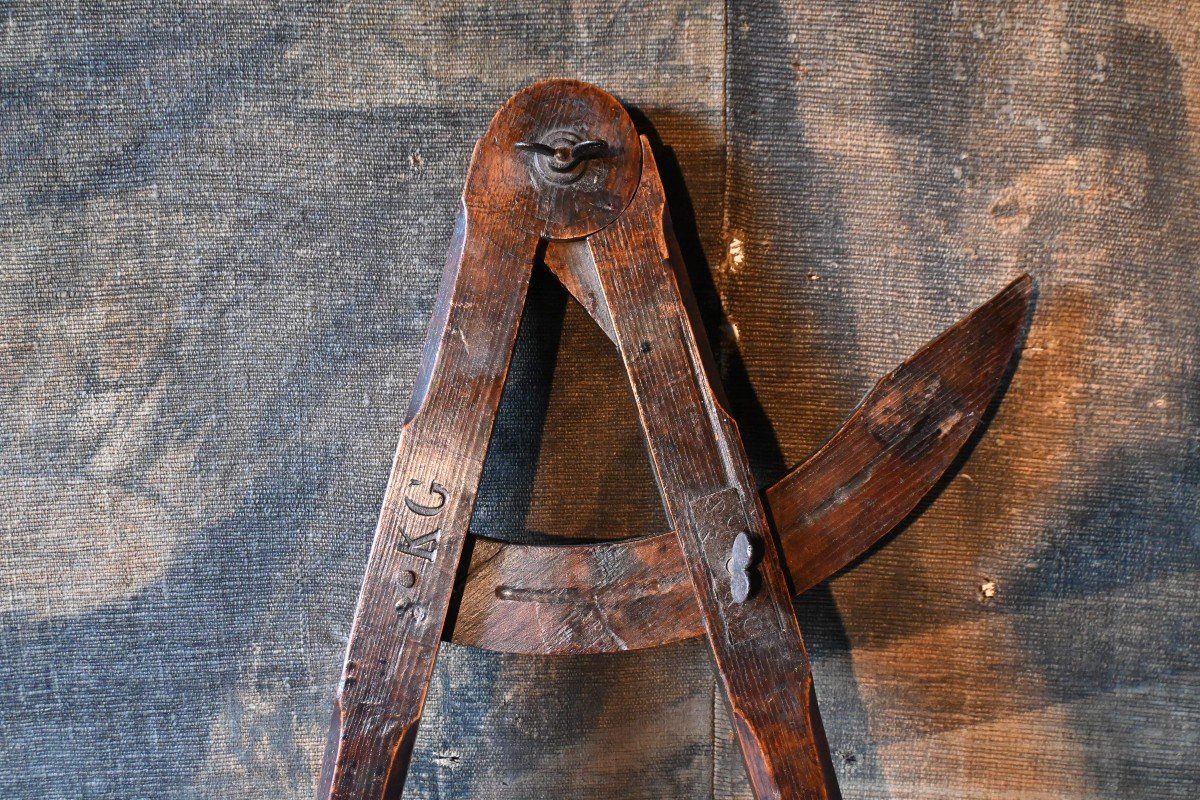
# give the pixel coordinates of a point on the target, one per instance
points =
(525, 186)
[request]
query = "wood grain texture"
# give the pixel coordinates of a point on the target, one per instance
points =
(223, 230)
(710, 497)
(634, 594)
(412, 570)
(413, 566)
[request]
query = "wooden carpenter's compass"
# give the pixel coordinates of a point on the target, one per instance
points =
(562, 173)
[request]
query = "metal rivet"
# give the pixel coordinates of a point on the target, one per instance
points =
(741, 557)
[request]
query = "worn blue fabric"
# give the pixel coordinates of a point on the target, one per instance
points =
(222, 229)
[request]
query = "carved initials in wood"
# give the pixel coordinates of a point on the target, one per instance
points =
(422, 547)
(428, 511)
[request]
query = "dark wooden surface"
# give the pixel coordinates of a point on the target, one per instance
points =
(224, 229)
(710, 497)
(632, 594)
(412, 571)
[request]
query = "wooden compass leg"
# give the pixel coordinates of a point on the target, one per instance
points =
(511, 202)
(423, 525)
(732, 558)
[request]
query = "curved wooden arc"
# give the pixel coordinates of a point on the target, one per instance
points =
(633, 594)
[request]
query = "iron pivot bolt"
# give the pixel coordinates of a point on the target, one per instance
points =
(562, 159)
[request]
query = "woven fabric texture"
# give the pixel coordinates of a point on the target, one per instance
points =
(223, 225)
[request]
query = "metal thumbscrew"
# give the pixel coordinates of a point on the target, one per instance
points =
(564, 155)
(741, 559)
